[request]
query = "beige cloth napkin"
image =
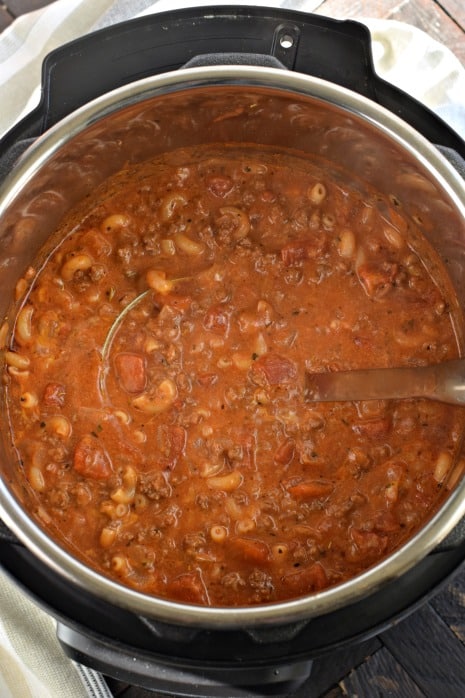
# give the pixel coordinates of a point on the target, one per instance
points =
(421, 67)
(32, 662)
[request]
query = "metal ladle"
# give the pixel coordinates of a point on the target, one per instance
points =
(444, 382)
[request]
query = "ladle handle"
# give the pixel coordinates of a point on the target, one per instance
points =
(444, 382)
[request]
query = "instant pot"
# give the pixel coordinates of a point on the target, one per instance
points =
(151, 84)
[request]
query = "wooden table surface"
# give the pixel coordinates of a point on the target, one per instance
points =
(424, 655)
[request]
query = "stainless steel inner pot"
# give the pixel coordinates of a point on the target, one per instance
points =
(225, 104)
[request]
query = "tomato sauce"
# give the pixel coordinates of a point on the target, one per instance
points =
(155, 378)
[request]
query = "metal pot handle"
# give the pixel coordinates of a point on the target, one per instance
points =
(454, 540)
(456, 160)
(257, 59)
(6, 535)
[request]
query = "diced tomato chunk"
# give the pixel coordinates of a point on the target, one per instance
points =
(299, 250)
(130, 369)
(91, 459)
(377, 279)
(252, 550)
(54, 395)
(306, 580)
(273, 369)
(189, 587)
(311, 489)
